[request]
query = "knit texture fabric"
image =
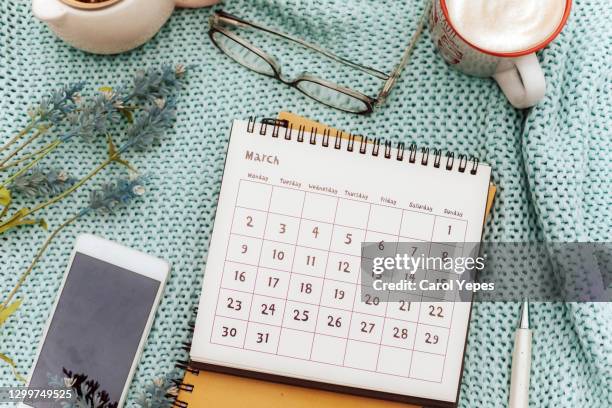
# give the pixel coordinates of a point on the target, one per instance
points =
(552, 165)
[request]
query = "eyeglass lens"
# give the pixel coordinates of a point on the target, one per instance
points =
(332, 97)
(242, 55)
(319, 92)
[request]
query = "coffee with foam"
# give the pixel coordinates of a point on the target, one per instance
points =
(506, 26)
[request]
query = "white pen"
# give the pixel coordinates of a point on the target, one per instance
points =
(521, 362)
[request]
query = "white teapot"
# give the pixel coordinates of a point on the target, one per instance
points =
(108, 26)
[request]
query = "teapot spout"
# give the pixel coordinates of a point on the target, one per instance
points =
(49, 11)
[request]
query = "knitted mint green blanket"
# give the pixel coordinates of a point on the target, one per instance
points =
(552, 165)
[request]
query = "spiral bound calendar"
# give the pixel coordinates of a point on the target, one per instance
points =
(281, 293)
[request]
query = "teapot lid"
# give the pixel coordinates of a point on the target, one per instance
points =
(90, 4)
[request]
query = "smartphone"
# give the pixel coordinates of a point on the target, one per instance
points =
(101, 318)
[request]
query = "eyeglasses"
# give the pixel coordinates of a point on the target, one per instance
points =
(321, 90)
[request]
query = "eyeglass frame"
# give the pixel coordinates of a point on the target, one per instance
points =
(220, 18)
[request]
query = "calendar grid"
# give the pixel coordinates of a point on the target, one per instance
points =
(317, 232)
(421, 296)
(351, 199)
(297, 273)
(257, 270)
(332, 307)
(458, 244)
(321, 296)
(290, 273)
(338, 337)
(356, 294)
(303, 246)
(399, 230)
(338, 365)
(226, 252)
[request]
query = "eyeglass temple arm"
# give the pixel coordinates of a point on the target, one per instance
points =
(384, 93)
(226, 18)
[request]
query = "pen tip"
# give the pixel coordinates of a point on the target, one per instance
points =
(524, 321)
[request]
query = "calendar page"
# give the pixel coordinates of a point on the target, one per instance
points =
(281, 292)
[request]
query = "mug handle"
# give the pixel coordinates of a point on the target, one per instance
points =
(523, 82)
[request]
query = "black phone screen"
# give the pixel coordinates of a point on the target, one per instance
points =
(97, 326)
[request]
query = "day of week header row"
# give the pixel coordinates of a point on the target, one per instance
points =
(354, 195)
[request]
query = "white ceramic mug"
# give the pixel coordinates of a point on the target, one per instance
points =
(109, 27)
(518, 73)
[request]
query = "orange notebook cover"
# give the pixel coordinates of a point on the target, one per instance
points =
(204, 389)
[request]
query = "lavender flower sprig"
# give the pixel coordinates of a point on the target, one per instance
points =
(148, 128)
(142, 134)
(50, 111)
(88, 392)
(152, 84)
(94, 118)
(40, 182)
(53, 108)
(98, 116)
(161, 392)
(115, 194)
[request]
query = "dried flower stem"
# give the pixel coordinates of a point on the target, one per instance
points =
(19, 135)
(30, 156)
(27, 212)
(25, 144)
(74, 187)
(40, 253)
(3, 212)
(45, 152)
